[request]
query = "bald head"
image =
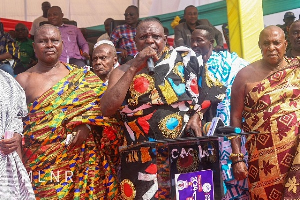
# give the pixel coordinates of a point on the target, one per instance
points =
(150, 32)
(142, 23)
(267, 31)
(103, 60)
(272, 44)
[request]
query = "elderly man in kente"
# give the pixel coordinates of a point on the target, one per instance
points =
(104, 59)
(220, 69)
(155, 106)
(265, 98)
(64, 158)
(14, 180)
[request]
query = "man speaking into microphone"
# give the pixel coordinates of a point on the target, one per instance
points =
(156, 92)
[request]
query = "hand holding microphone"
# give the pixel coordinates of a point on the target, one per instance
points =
(150, 66)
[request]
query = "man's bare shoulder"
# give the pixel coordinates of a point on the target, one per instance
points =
(23, 77)
(247, 73)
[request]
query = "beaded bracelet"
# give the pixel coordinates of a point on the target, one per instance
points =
(237, 162)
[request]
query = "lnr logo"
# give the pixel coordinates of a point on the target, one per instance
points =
(54, 176)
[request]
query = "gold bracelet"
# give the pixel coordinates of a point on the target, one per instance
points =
(239, 155)
(233, 137)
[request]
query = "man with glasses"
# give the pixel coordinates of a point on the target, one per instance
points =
(183, 31)
(27, 55)
(123, 35)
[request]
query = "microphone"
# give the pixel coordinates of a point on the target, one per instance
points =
(228, 130)
(205, 104)
(150, 66)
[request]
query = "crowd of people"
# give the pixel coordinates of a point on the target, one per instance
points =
(62, 125)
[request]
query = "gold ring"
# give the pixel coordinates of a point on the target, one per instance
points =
(74, 133)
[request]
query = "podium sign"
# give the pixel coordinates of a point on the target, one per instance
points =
(148, 169)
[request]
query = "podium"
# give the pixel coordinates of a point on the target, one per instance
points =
(148, 169)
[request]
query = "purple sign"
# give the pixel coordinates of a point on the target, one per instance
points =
(195, 185)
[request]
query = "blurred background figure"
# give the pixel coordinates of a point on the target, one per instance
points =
(294, 38)
(36, 23)
(183, 31)
(9, 52)
(123, 35)
(27, 55)
(75, 47)
(107, 25)
(288, 19)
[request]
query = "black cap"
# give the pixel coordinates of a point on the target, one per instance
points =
(289, 15)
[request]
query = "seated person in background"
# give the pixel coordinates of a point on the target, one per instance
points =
(154, 106)
(183, 31)
(63, 104)
(12, 34)
(288, 19)
(73, 40)
(166, 31)
(104, 59)
(220, 69)
(8, 51)
(107, 26)
(27, 55)
(123, 35)
(294, 38)
(36, 23)
(91, 45)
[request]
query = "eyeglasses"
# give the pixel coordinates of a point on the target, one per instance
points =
(129, 14)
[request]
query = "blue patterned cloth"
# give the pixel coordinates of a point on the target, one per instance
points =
(224, 66)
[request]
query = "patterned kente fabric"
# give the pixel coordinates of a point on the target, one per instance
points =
(272, 108)
(57, 170)
(217, 78)
(156, 107)
(14, 181)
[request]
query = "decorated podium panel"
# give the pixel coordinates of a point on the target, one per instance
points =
(183, 168)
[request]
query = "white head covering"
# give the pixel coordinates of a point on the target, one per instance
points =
(103, 42)
(106, 42)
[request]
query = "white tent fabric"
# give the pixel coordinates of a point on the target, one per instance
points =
(89, 13)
